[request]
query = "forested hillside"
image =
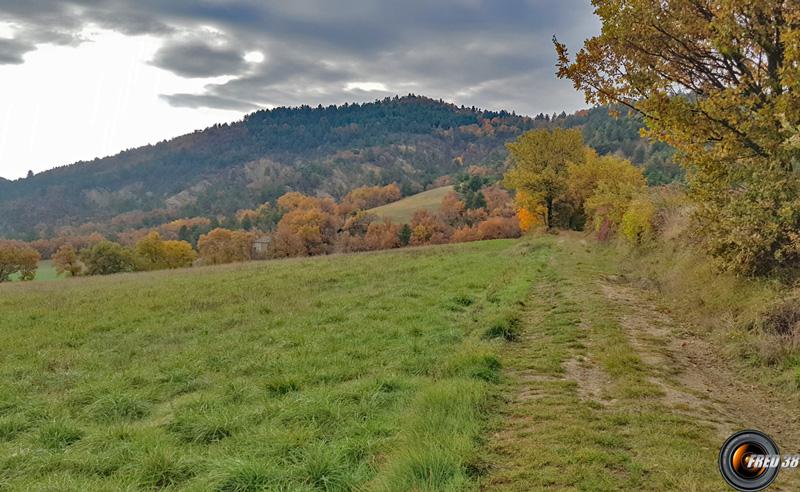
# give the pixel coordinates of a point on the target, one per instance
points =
(324, 150)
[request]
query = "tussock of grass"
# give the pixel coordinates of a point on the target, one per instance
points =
(59, 434)
(246, 476)
(506, 327)
(204, 422)
(159, 468)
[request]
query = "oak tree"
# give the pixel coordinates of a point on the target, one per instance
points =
(719, 81)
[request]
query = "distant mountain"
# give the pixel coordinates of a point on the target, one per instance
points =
(323, 150)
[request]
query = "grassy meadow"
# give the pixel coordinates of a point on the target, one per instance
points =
(45, 271)
(401, 211)
(370, 372)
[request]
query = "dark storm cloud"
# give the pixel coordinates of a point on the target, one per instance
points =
(197, 59)
(491, 53)
(207, 101)
(11, 51)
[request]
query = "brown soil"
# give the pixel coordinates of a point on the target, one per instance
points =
(697, 381)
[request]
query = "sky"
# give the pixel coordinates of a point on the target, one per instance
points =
(90, 78)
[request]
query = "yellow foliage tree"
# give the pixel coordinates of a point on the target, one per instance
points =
(616, 182)
(530, 212)
(637, 222)
(156, 254)
(719, 81)
(539, 164)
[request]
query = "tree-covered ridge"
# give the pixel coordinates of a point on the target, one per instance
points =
(409, 140)
(620, 133)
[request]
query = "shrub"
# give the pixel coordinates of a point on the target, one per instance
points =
(466, 234)
(637, 222)
(499, 228)
(105, 258)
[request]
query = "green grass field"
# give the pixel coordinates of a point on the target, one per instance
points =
(510, 365)
(401, 211)
(369, 372)
(45, 271)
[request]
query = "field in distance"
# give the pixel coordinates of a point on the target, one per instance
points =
(45, 271)
(368, 371)
(401, 211)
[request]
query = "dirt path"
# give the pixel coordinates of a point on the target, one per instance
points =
(693, 374)
(605, 391)
(698, 382)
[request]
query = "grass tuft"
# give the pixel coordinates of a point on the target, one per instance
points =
(58, 434)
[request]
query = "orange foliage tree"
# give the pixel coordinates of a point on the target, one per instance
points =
(428, 228)
(309, 226)
(226, 246)
(66, 260)
(368, 197)
(19, 259)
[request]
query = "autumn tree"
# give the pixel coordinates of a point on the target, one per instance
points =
(177, 254)
(539, 162)
(367, 197)
(382, 234)
(601, 189)
(618, 184)
(717, 80)
(226, 246)
(18, 259)
(157, 254)
(351, 237)
(452, 209)
(428, 228)
(316, 228)
(66, 260)
(498, 201)
(106, 257)
(150, 250)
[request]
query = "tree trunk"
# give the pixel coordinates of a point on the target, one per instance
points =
(549, 213)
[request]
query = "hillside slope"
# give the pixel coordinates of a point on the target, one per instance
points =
(401, 211)
(324, 150)
(328, 150)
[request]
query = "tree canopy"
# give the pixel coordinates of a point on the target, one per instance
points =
(719, 81)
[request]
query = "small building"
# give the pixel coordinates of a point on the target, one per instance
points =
(261, 245)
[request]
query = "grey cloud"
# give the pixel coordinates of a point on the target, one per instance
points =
(11, 51)
(491, 53)
(207, 101)
(197, 59)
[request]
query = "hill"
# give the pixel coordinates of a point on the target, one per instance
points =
(324, 150)
(401, 211)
